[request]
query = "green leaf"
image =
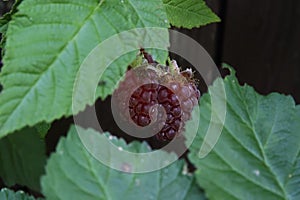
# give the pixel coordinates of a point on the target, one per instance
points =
(73, 173)
(22, 158)
(47, 41)
(6, 194)
(189, 13)
(42, 129)
(258, 153)
(195, 193)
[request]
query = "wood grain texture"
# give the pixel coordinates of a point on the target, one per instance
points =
(261, 40)
(206, 35)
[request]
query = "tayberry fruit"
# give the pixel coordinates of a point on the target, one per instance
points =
(150, 88)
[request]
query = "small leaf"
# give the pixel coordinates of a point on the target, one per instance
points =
(22, 158)
(189, 13)
(257, 155)
(42, 129)
(6, 194)
(73, 173)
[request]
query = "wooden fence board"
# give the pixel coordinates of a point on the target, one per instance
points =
(262, 41)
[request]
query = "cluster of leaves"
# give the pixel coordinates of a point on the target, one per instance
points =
(45, 41)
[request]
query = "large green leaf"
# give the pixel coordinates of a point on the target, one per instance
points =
(73, 173)
(189, 13)
(258, 153)
(6, 194)
(47, 40)
(22, 158)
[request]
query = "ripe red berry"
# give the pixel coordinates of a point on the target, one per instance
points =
(149, 88)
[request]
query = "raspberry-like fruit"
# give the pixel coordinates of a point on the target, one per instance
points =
(148, 89)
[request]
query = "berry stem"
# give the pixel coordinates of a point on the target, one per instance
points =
(147, 56)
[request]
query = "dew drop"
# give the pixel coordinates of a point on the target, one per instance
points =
(120, 148)
(126, 167)
(256, 172)
(185, 170)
